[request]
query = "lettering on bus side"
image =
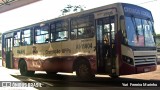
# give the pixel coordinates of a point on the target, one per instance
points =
(35, 51)
(56, 51)
(66, 50)
(137, 11)
(84, 46)
(21, 51)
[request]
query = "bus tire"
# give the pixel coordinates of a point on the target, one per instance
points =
(83, 70)
(114, 76)
(23, 69)
(51, 73)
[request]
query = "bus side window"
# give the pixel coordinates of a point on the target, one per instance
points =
(42, 34)
(17, 38)
(26, 37)
(47, 38)
(61, 36)
(61, 30)
(53, 29)
(74, 34)
(74, 30)
(82, 27)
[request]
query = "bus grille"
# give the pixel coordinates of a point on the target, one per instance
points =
(144, 60)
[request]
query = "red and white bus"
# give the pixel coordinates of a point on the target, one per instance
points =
(116, 39)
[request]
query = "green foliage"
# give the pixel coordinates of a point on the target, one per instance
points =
(69, 9)
(158, 35)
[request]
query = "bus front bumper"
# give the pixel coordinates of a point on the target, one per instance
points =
(143, 69)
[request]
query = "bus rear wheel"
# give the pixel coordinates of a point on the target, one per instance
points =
(83, 70)
(51, 73)
(114, 76)
(23, 69)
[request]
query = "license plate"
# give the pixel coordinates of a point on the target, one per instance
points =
(146, 69)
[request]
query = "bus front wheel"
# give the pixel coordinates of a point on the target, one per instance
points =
(83, 70)
(23, 69)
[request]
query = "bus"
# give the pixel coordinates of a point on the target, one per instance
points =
(116, 39)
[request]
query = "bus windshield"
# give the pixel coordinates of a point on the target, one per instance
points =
(139, 32)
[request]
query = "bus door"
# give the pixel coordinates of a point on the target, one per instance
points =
(105, 44)
(8, 50)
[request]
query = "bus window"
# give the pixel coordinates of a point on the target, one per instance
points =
(42, 34)
(113, 32)
(53, 29)
(17, 38)
(82, 27)
(81, 33)
(74, 34)
(108, 28)
(63, 35)
(26, 37)
(61, 31)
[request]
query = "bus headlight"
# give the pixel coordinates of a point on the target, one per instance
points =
(128, 60)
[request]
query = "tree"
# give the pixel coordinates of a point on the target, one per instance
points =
(70, 9)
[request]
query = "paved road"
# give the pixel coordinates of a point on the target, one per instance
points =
(72, 82)
(101, 82)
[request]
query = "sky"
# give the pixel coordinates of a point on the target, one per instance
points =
(50, 9)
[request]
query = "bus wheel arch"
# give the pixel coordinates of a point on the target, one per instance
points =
(22, 65)
(83, 68)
